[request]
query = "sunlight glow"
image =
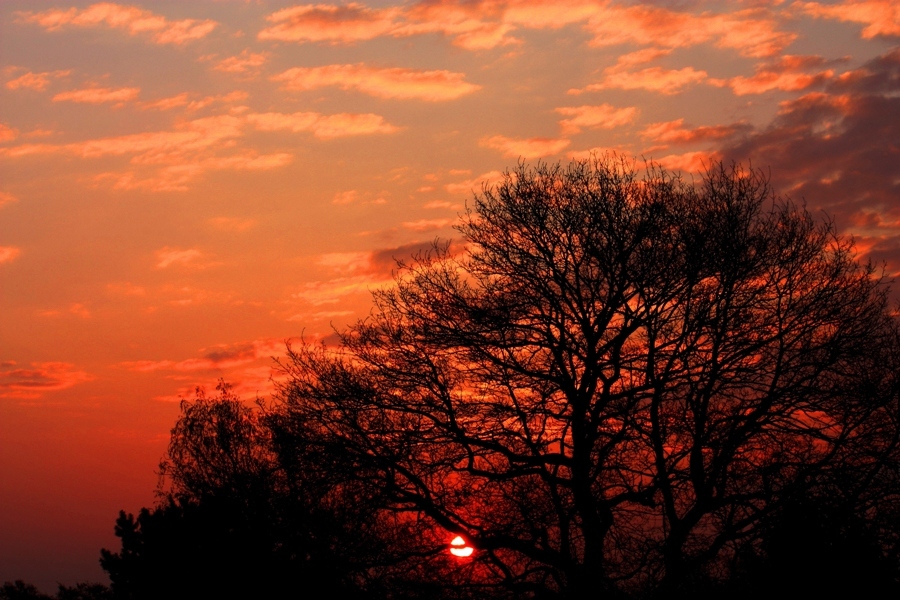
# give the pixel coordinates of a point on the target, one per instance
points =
(459, 548)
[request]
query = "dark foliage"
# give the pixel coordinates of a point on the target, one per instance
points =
(19, 590)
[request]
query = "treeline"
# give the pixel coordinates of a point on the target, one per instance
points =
(616, 384)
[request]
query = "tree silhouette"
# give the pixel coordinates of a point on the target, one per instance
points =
(615, 387)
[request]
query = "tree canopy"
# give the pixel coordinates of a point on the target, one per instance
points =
(616, 381)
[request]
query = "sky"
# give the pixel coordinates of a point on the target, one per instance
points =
(185, 186)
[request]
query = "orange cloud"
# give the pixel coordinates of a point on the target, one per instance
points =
(7, 198)
(786, 74)
(469, 185)
(693, 162)
(220, 356)
(35, 81)
(880, 17)
(750, 32)
(184, 99)
(7, 134)
(322, 126)
(654, 79)
(674, 132)
(484, 24)
(32, 382)
(245, 62)
(604, 116)
(536, 147)
(98, 95)
(8, 254)
(130, 18)
(382, 83)
(426, 224)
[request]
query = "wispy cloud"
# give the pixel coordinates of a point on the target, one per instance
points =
(35, 81)
(7, 133)
(188, 257)
(245, 63)
(536, 147)
(322, 126)
(98, 95)
(38, 378)
(880, 17)
(484, 24)
(788, 73)
(8, 254)
(132, 19)
(603, 116)
(380, 82)
(674, 132)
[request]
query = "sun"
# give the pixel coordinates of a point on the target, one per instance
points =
(458, 547)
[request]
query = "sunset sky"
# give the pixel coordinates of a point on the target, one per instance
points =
(186, 185)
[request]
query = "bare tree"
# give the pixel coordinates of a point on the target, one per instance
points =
(617, 380)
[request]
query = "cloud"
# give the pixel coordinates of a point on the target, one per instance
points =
(214, 358)
(166, 257)
(184, 99)
(674, 132)
(38, 378)
(837, 149)
(350, 22)
(246, 62)
(788, 73)
(604, 116)
(7, 198)
(35, 81)
(322, 126)
(485, 24)
(380, 82)
(421, 225)
(469, 185)
(177, 156)
(98, 95)
(690, 162)
(536, 147)
(653, 79)
(750, 32)
(7, 133)
(130, 18)
(8, 254)
(880, 17)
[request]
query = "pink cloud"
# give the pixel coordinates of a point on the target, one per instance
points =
(674, 132)
(380, 82)
(653, 79)
(880, 17)
(38, 378)
(536, 147)
(98, 95)
(35, 81)
(350, 22)
(788, 73)
(603, 116)
(322, 126)
(130, 18)
(244, 63)
(8, 254)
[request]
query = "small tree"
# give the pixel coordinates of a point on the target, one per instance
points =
(616, 383)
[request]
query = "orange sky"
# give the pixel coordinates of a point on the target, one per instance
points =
(185, 185)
